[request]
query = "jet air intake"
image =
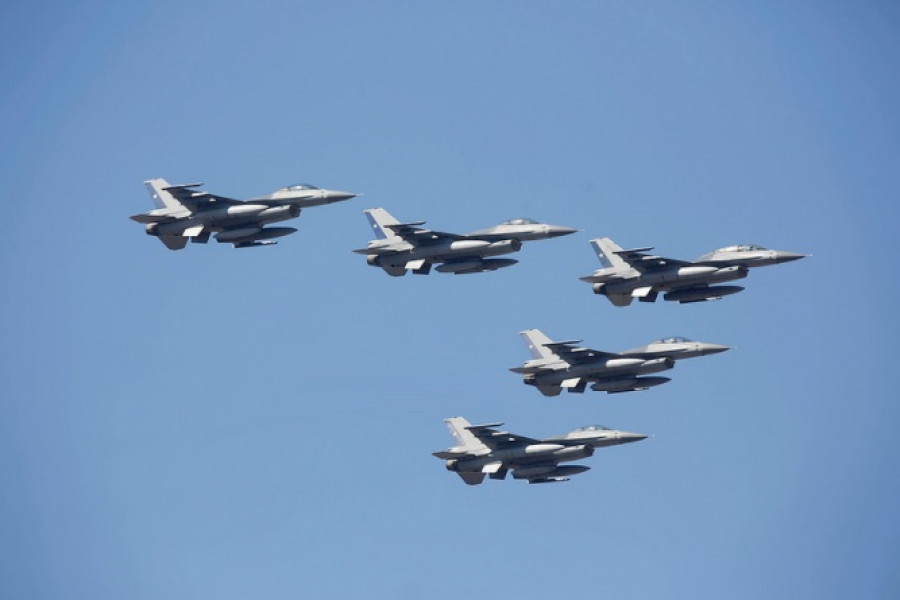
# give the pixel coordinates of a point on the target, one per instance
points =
(279, 213)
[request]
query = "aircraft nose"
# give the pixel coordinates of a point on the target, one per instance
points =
(783, 257)
(337, 196)
(712, 349)
(558, 230)
(627, 436)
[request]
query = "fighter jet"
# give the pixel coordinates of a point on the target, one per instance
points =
(628, 274)
(558, 365)
(482, 450)
(403, 247)
(184, 213)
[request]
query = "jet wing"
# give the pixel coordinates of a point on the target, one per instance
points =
(638, 258)
(573, 354)
(198, 200)
(494, 439)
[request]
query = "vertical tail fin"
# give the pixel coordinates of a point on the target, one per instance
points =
(457, 426)
(606, 252)
(378, 218)
(535, 340)
(161, 198)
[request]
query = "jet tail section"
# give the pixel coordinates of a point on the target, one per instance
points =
(608, 254)
(162, 198)
(462, 435)
(379, 219)
(537, 343)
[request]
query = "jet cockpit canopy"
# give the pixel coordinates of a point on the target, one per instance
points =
(298, 187)
(676, 339)
(520, 221)
(742, 248)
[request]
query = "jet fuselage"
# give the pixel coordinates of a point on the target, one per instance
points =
(513, 458)
(601, 369)
(229, 217)
(667, 279)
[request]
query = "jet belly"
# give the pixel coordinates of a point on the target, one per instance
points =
(230, 217)
(450, 250)
(677, 277)
(610, 368)
(523, 455)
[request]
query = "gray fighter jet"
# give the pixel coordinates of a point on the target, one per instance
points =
(628, 274)
(558, 365)
(184, 213)
(482, 450)
(403, 247)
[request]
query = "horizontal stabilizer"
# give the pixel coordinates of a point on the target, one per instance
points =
(399, 226)
(492, 467)
(376, 251)
(641, 292)
(182, 187)
(484, 426)
(555, 345)
(151, 218)
(193, 231)
(633, 251)
(451, 453)
(528, 370)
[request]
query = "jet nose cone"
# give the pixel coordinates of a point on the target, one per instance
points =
(338, 196)
(783, 257)
(559, 230)
(627, 436)
(712, 349)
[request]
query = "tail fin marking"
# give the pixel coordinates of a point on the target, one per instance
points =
(378, 218)
(161, 197)
(606, 250)
(457, 426)
(536, 340)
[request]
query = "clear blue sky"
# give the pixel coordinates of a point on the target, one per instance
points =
(216, 423)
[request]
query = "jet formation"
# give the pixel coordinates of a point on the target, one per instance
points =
(555, 366)
(628, 274)
(184, 213)
(483, 450)
(402, 247)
